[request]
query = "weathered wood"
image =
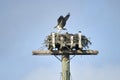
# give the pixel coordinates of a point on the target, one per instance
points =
(55, 52)
(65, 67)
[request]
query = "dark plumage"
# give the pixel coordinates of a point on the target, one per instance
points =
(62, 21)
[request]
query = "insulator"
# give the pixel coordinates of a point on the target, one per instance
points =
(80, 40)
(53, 40)
(71, 41)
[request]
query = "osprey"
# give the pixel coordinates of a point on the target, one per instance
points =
(61, 22)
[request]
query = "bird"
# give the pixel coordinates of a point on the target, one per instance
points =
(61, 22)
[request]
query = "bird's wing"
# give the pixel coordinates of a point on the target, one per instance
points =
(67, 16)
(59, 19)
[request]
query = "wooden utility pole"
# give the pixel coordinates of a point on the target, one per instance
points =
(65, 67)
(65, 58)
(65, 45)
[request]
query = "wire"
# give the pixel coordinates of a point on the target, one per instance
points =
(72, 57)
(61, 76)
(71, 76)
(58, 58)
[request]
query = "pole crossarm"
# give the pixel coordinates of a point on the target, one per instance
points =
(56, 52)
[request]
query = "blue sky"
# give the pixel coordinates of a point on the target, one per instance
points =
(24, 24)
